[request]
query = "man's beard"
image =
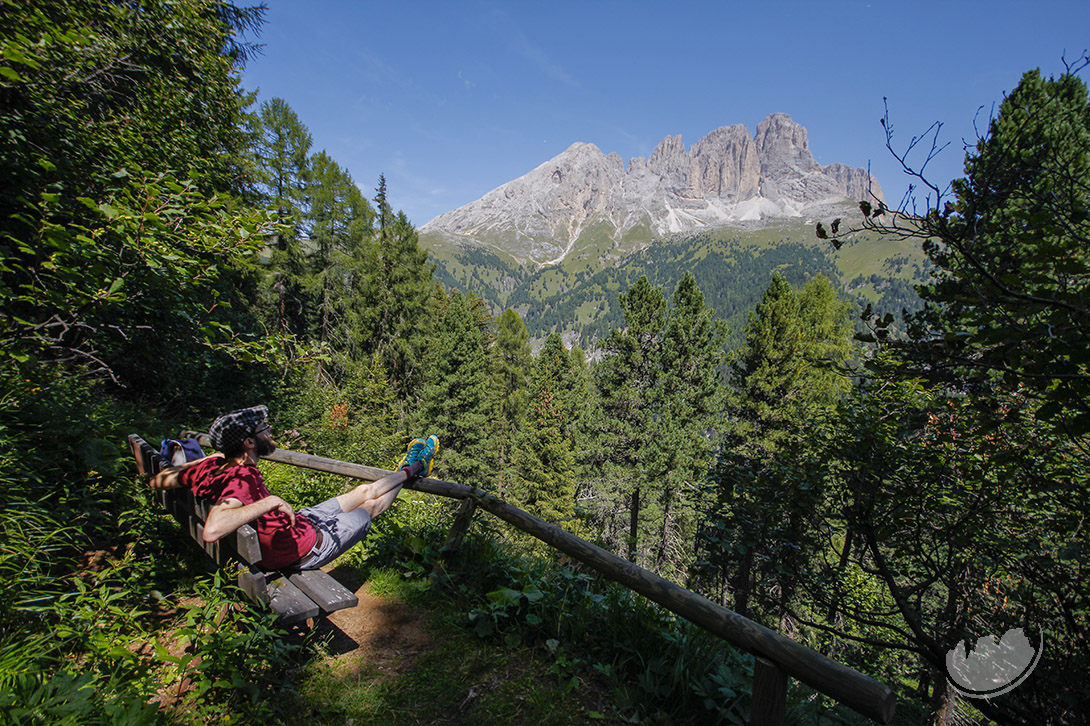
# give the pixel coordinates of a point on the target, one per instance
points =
(265, 447)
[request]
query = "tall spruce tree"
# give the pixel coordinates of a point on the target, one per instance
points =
(789, 370)
(788, 381)
(282, 153)
(692, 396)
(339, 227)
(456, 403)
(627, 379)
(512, 361)
(661, 394)
(403, 286)
(543, 477)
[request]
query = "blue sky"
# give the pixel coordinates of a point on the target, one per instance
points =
(452, 99)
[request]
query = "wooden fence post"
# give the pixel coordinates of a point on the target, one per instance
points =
(454, 537)
(769, 694)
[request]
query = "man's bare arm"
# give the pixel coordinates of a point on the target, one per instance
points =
(169, 478)
(229, 514)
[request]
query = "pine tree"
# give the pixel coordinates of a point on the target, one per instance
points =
(283, 146)
(788, 380)
(627, 380)
(512, 361)
(789, 370)
(403, 286)
(691, 360)
(339, 225)
(564, 372)
(543, 480)
(457, 403)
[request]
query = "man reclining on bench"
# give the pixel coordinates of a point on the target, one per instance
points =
(305, 540)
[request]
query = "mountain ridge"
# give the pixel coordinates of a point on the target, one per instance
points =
(586, 202)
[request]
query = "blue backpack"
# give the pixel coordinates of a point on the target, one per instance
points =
(178, 452)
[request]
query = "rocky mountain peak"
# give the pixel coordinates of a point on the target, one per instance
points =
(729, 177)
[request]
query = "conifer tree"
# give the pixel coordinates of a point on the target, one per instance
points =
(401, 290)
(512, 361)
(788, 380)
(339, 225)
(283, 146)
(691, 361)
(564, 372)
(788, 372)
(543, 480)
(457, 403)
(661, 397)
(627, 380)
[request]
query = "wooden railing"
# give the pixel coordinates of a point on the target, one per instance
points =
(777, 656)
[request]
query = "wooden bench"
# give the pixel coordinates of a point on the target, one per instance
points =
(295, 595)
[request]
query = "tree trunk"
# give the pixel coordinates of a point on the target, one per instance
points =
(834, 608)
(664, 537)
(633, 524)
(944, 700)
(742, 580)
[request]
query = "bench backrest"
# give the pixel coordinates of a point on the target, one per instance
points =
(191, 511)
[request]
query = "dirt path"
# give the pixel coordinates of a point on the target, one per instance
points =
(380, 632)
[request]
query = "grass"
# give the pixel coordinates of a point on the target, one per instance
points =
(459, 678)
(868, 256)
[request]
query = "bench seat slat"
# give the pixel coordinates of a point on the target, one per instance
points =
(326, 592)
(290, 602)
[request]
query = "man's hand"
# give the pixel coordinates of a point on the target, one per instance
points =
(166, 479)
(281, 506)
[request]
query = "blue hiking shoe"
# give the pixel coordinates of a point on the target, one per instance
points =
(427, 454)
(412, 454)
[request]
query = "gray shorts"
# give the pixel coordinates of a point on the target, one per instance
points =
(340, 531)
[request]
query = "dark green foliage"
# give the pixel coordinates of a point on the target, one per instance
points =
(659, 386)
(91, 88)
(111, 235)
(1007, 308)
(512, 361)
(731, 275)
(398, 303)
(456, 401)
(627, 381)
(282, 171)
(338, 268)
(543, 468)
(765, 492)
(790, 370)
(483, 273)
(348, 420)
(543, 473)
(962, 530)
(961, 485)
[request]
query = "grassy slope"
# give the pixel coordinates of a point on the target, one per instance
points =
(455, 678)
(579, 295)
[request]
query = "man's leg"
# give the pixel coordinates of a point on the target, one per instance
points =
(372, 491)
(377, 496)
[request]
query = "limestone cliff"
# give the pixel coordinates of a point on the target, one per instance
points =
(727, 178)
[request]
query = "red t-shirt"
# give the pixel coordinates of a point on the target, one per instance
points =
(281, 543)
(201, 479)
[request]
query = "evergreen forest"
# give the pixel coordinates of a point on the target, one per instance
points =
(881, 488)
